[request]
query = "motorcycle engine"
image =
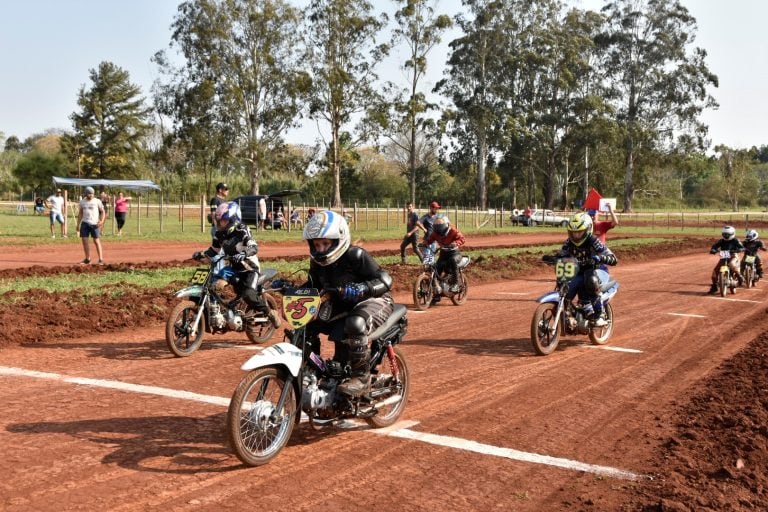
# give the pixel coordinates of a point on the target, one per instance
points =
(313, 397)
(438, 289)
(234, 320)
(215, 318)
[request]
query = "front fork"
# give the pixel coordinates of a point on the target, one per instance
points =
(560, 308)
(200, 310)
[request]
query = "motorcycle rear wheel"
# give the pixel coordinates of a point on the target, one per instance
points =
(601, 335)
(545, 334)
(422, 292)
(256, 432)
(460, 298)
(389, 414)
(177, 328)
(261, 332)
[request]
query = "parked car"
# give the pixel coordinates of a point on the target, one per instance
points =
(262, 210)
(545, 218)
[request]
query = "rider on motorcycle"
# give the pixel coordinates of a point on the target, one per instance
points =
(752, 244)
(449, 239)
(363, 293)
(730, 243)
(233, 238)
(590, 252)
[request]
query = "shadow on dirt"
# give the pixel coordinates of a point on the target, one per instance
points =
(125, 351)
(160, 444)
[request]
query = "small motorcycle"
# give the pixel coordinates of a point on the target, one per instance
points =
(749, 273)
(556, 315)
(431, 285)
(288, 378)
(212, 306)
(725, 279)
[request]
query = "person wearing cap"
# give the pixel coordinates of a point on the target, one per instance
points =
(222, 191)
(55, 205)
(90, 218)
(425, 223)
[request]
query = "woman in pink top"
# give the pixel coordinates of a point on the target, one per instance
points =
(121, 209)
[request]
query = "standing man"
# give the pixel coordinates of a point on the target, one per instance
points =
(91, 219)
(412, 219)
(600, 228)
(222, 191)
(527, 216)
(55, 204)
(426, 223)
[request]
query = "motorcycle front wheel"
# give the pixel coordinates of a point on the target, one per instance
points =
(178, 328)
(722, 283)
(600, 335)
(461, 297)
(545, 333)
(256, 430)
(386, 376)
(749, 277)
(422, 292)
(261, 332)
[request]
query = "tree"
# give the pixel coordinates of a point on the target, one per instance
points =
(242, 77)
(110, 124)
(735, 165)
(419, 28)
(343, 54)
(657, 85)
(37, 169)
(13, 143)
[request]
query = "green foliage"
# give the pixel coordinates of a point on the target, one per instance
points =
(37, 169)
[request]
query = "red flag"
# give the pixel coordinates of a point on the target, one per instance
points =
(592, 202)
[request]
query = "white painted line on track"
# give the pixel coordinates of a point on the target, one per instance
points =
(232, 345)
(512, 293)
(399, 429)
(613, 349)
(737, 300)
(509, 453)
(688, 314)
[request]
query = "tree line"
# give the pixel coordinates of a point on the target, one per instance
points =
(538, 102)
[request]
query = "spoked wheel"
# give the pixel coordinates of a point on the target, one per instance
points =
(461, 297)
(257, 431)
(391, 375)
(422, 292)
(749, 277)
(259, 331)
(178, 329)
(722, 283)
(600, 335)
(545, 333)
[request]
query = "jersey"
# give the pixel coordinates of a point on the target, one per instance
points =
(583, 253)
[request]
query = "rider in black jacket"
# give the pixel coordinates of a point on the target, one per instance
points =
(590, 252)
(358, 286)
(753, 244)
(729, 243)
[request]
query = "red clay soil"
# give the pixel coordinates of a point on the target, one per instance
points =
(687, 411)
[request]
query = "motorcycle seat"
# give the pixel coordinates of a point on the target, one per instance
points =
(397, 314)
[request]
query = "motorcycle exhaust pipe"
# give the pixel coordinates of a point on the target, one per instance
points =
(388, 401)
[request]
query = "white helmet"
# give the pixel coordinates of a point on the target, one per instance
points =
(729, 232)
(752, 235)
(329, 225)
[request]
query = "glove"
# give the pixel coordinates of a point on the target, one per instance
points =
(198, 255)
(597, 259)
(548, 258)
(277, 284)
(237, 258)
(713, 251)
(354, 292)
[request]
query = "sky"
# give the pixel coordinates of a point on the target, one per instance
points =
(49, 46)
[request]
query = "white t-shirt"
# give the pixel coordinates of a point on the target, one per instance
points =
(90, 210)
(56, 202)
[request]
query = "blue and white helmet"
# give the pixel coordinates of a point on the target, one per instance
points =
(752, 235)
(227, 215)
(329, 225)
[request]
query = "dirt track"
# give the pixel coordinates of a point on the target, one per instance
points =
(82, 446)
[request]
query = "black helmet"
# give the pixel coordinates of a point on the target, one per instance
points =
(221, 186)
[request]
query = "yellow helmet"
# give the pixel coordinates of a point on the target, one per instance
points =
(579, 228)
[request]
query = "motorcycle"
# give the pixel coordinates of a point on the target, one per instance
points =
(288, 378)
(557, 316)
(212, 306)
(431, 285)
(749, 273)
(725, 279)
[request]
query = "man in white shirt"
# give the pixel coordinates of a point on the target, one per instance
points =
(55, 203)
(91, 219)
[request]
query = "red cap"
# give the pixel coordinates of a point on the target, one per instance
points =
(435, 205)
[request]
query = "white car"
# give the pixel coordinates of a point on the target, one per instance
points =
(547, 218)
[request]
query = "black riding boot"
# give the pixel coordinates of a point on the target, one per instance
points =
(358, 362)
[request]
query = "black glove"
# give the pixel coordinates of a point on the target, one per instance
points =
(548, 258)
(597, 259)
(198, 255)
(713, 251)
(237, 258)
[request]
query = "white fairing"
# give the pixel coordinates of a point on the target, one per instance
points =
(190, 291)
(283, 354)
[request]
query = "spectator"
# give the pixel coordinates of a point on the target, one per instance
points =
(279, 219)
(121, 211)
(295, 218)
(310, 213)
(222, 191)
(55, 204)
(527, 216)
(600, 228)
(426, 221)
(411, 228)
(91, 219)
(105, 200)
(39, 205)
